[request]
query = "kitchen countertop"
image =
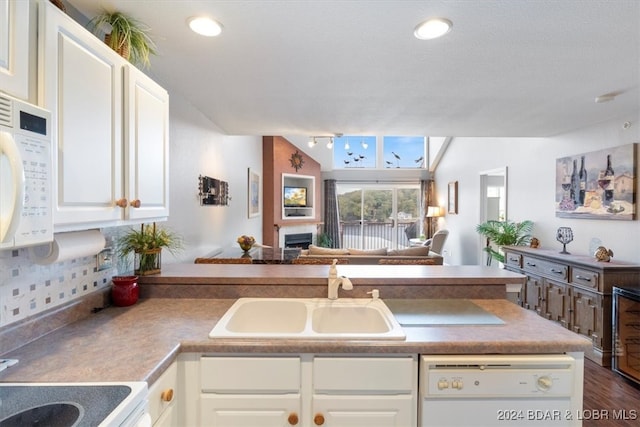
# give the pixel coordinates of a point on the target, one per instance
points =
(281, 280)
(282, 274)
(137, 343)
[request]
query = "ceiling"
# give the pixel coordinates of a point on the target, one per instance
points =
(302, 67)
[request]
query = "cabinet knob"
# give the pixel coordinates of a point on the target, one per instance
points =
(122, 203)
(293, 419)
(167, 395)
(318, 419)
(135, 203)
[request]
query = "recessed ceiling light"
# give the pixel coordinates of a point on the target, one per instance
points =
(433, 28)
(205, 26)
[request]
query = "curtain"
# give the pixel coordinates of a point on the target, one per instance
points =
(428, 198)
(331, 217)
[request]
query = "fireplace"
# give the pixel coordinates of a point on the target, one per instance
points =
(299, 240)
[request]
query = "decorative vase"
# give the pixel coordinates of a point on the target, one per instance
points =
(564, 235)
(125, 290)
(245, 246)
(147, 262)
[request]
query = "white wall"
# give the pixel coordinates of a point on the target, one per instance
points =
(198, 147)
(531, 191)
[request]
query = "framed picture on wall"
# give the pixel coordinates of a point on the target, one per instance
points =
(453, 197)
(254, 188)
(598, 184)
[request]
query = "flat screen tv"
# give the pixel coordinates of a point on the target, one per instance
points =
(295, 197)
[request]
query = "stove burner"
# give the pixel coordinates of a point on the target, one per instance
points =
(53, 415)
(65, 404)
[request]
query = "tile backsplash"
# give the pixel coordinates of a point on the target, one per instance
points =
(27, 289)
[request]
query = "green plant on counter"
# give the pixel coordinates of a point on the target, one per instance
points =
(504, 233)
(147, 243)
(127, 36)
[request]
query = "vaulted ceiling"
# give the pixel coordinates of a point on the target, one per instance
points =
(300, 67)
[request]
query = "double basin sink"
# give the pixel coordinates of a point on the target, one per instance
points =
(309, 318)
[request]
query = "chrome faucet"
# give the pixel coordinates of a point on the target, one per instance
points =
(334, 282)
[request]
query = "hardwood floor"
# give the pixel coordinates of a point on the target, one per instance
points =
(608, 397)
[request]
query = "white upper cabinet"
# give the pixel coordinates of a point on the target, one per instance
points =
(146, 145)
(110, 129)
(15, 36)
(80, 82)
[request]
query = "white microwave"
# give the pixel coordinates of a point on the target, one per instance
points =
(26, 217)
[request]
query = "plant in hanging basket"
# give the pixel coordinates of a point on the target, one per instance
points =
(125, 35)
(146, 245)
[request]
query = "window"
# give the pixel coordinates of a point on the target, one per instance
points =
(354, 152)
(404, 152)
(378, 216)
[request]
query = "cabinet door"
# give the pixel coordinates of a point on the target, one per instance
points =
(245, 410)
(163, 398)
(15, 30)
(146, 146)
(169, 418)
(556, 302)
(80, 81)
(365, 397)
(533, 294)
(587, 316)
(367, 410)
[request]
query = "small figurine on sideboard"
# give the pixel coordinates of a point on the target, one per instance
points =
(603, 254)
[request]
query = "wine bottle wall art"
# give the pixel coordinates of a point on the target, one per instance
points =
(598, 184)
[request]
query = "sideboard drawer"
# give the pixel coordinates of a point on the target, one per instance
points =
(513, 260)
(555, 270)
(585, 278)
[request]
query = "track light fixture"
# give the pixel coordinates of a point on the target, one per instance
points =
(313, 140)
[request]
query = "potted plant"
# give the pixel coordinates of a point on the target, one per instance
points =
(146, 244)
(324, 240)
(125, 35)
(504, 233)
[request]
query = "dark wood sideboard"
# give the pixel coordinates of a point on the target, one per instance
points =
(572, 290)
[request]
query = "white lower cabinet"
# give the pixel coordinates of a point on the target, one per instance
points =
(164, 396)
(364, 391)
(250, 391)
(308, 390)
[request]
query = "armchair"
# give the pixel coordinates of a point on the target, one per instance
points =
(436, 243)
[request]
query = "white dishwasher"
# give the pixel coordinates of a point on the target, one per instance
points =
(501, 390)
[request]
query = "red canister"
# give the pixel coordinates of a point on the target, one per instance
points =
(125, 290)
